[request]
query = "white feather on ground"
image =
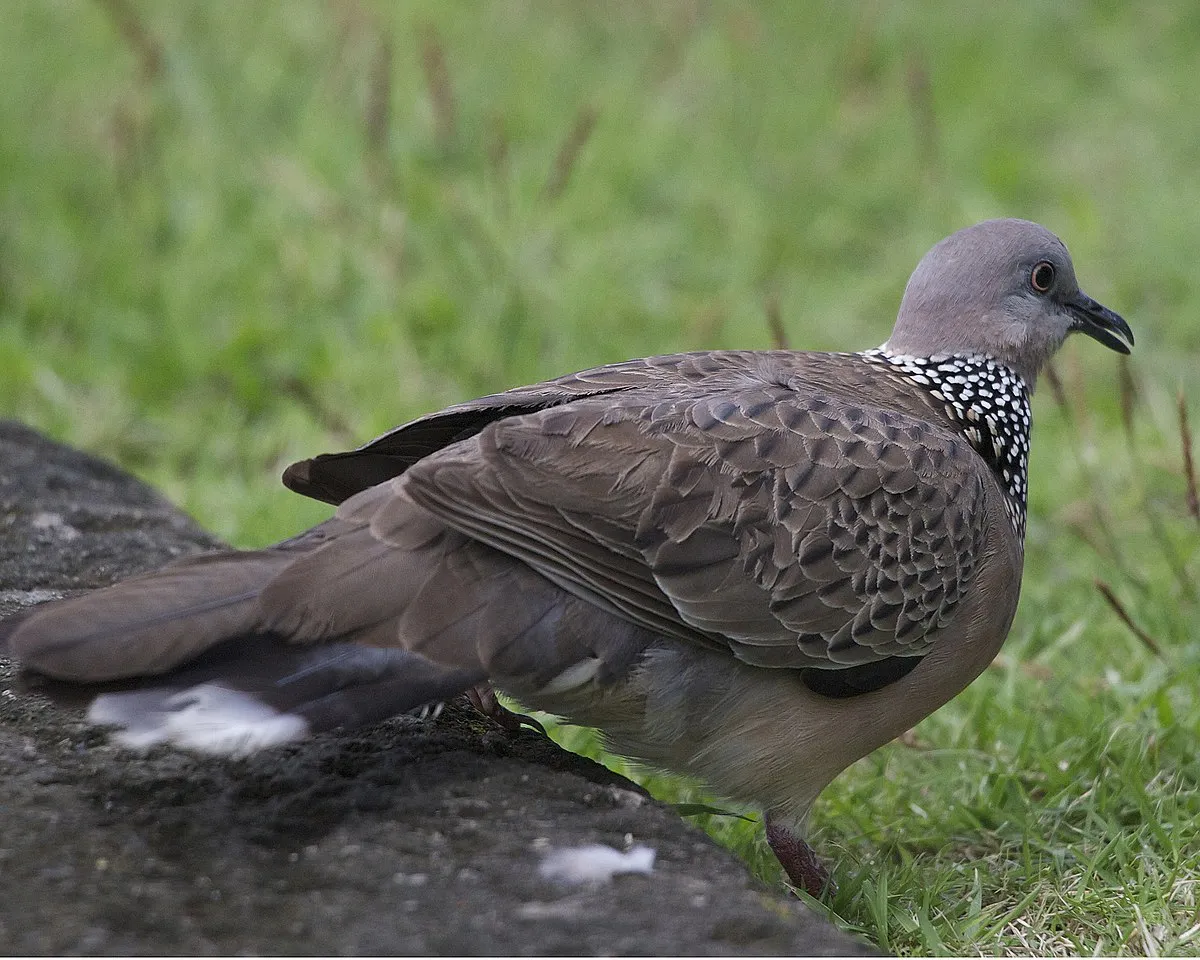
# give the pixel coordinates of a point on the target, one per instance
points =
(594, 863)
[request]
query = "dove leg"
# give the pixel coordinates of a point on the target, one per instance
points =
(799, 861)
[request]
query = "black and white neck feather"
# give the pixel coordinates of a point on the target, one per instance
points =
(988, 401)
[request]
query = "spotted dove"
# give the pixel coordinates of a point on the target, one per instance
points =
(749, 567)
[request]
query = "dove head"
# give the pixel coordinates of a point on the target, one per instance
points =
(1004, 288)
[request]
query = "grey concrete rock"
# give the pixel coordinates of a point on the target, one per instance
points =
(411, 837)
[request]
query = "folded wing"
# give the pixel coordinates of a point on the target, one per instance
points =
(797, 527)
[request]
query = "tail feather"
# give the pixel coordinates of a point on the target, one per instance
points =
(263, 691)
(147, 625)
(9, 626)
(351, 583)
(418, 683)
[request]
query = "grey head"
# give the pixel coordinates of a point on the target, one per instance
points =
(1004, 288)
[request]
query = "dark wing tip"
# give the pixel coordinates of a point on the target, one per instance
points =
(857, 680)
(322, 480)
(298, 479)
(335, 477)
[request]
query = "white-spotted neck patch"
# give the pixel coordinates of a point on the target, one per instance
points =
(988, 401)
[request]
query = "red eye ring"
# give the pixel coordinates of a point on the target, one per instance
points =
(1041, 277)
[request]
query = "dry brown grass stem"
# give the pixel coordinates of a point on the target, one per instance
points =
(779, 338)
(133, 30)
(1057, 391)
(1189, 463)
(330, 420)
(920, 98)
(379, 103)
(1076, 391)
(1119, 608)
(497, 147)
(1129, 397)
(569, 152)
(441, 91)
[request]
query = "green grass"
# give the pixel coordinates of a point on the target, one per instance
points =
(233, 235)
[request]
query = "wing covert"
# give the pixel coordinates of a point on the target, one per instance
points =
(334, 477)
(796, 527)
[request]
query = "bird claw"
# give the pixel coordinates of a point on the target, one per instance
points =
(431, 711)
(799, 862)
(483, 699)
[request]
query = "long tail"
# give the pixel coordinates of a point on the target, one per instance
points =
(146, 625)
(233, 651)
(349, 623)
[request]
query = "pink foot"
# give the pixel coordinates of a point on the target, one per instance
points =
(799, 862)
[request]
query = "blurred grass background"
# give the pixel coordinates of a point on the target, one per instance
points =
(235, 235)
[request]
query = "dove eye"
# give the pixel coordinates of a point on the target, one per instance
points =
(1042, 276)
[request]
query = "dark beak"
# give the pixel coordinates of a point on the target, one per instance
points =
(1100, 323)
